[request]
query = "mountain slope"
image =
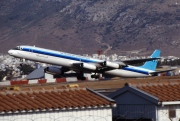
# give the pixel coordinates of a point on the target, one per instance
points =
(87, 26)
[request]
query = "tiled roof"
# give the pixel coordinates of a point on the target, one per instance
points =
(51, 98)
(165, 91)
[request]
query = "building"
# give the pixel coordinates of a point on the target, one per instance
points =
(157, 101)
(54, 103)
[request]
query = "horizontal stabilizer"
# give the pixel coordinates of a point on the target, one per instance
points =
(157, 72)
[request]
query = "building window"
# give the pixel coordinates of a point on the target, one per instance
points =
(172, 113)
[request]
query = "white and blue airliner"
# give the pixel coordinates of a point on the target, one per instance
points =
(81, 64)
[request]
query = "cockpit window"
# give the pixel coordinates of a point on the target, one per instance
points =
(17, 48)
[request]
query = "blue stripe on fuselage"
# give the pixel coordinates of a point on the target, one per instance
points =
(135, 70)
(58, 54)
(74, 57)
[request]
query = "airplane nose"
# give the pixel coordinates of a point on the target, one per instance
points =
(10, 52)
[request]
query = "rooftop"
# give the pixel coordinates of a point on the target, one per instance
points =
(165, 91)
(51, 98)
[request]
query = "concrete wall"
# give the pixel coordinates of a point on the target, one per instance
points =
(103, 114)
(163, 113)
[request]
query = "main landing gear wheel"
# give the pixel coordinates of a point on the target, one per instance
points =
(81, 78)
(95, 76)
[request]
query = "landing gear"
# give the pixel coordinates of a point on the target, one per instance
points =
(81, 76)
(22, 60)
(96, 76)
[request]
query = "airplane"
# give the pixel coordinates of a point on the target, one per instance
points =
(81, 64)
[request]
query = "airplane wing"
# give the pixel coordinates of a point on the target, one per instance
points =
(103, 66)
(94, 66)
(136, 61)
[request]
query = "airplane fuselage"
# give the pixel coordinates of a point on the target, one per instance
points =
(68, 60)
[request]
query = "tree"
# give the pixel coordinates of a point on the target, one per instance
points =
(26, 69)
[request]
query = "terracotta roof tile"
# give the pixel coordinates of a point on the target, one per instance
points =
(165, 91)
(50, 98)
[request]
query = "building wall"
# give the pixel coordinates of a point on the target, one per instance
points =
(132, 106)
(163, 113)
(135, 111)
(71, 115)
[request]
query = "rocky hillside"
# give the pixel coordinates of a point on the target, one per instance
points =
(79, 26)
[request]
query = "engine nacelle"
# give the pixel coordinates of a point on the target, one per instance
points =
(114, 65)
(88, 66)
(53, 70)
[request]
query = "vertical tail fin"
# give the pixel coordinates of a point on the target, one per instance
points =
(151, 65)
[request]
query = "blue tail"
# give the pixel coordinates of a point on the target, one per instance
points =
(151, 65)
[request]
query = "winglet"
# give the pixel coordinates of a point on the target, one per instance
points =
(151, 65)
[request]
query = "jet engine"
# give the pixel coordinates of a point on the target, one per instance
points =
(53, 70)
(113, 64)
(88, 66)
(85, 66)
